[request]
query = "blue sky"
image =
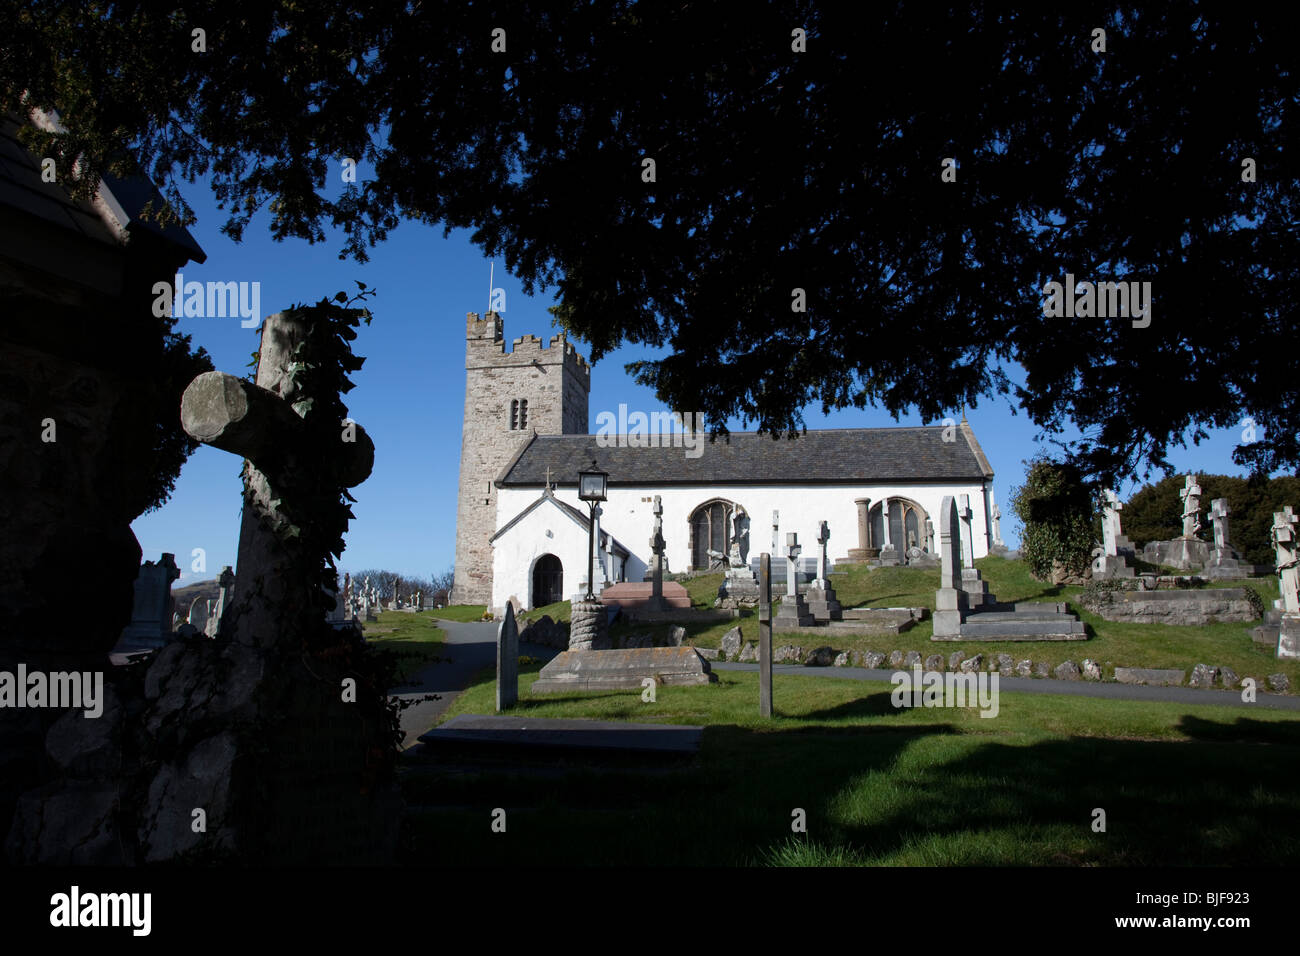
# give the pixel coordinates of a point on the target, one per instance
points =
(410, 393)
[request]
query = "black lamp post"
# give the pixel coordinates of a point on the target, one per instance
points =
(592, 485)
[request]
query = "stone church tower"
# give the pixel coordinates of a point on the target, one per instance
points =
(509, 397)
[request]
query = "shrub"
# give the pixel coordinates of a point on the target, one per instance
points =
(1060, 518)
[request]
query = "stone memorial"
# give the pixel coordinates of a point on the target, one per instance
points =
(1188, 552)
(739, 588)
(889, 552)
(997, 546)
(822, 601)
(1109, 561)
(972, 582)
(151, 616)
(863, 552)
(794, 610)
(225, 585)
(507, 661)
(1225, 562)
(1288, 570)
(950, 601)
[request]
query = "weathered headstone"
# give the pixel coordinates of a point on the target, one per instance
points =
(822, 600)
(950, 602)
(794, 610)
(151, 615)
(1191, 495)
(1108, 561)
(888, 552)
(1224, 561)
(225, 586)
(765, 636)
(507, 661)
(1288, 569)
(972, 582)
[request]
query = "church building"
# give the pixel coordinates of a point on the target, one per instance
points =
(522, 533)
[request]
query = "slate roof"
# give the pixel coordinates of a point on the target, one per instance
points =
(576, 514)
(22, 187)
(829, 456)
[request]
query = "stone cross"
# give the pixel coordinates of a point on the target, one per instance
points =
(967, 537)
(288, 465)
(997, 522)
(419, 600)
(792, 552)
(1191, 495)
(225, 584)
(738, 533)
(1110, 528)
(657, 548)
(548, 477)
(507, 660)
(1284, 541)
(1219, 516)
(929, 536)
(884, 513)
(823, 538)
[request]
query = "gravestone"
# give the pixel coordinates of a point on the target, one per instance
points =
(507, 661)
(1288, 571)
(1191, 495)
(997, 546)
(151, 616)
(1188, 552)
(1225, 562)
(1108, 560)
(794, 610)
(972, 582)
(739, 587)
(888, 552)
(765, 635)
(822, 601)
(950, 601)
(225, 585)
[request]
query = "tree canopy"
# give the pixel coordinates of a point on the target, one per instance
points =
(795, 146)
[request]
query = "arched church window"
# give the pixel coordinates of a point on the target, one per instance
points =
(906, 525)
(711, 529)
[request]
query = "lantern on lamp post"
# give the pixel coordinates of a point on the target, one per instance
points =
(592, 487)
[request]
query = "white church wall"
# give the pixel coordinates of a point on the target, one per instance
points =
(547, 530)
(629, 517)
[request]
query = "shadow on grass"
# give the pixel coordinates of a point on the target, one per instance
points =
(913, 795)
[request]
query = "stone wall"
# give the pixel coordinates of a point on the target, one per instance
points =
(555, 380)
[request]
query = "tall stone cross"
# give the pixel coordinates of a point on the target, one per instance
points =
(277, 593)
(792, 552)
(1219, 517)
(1284, 541)
(997, 522)
(657, 549)
(548, 477)
(823, 538)
(1110, 527)
(1191, 495)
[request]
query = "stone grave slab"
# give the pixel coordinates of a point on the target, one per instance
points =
(622, 669)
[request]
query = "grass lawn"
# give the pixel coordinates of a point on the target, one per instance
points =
(458, 612)
(1179, 784)
(416, 639)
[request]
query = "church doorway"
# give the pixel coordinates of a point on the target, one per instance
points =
(548, 581)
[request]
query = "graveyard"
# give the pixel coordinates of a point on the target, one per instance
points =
(296, 590)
